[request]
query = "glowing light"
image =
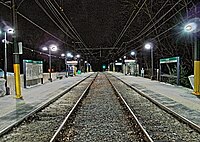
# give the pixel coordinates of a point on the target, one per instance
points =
(53, 47)
(78, 56)
(10, 30)
(7, 30)
(62, 54)
(190, 27)
(44, 48)
(132, 53)
(69, 55)
(148, 46)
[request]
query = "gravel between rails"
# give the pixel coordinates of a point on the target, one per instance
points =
(160, 125)
(101, 118)
(41, 126)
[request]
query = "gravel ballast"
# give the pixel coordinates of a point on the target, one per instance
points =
(159, 124)
(41, 126)
(101, 117)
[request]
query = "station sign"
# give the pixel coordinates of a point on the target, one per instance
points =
(72, 62)
(118, 64)
(169, 60)
(129, 61)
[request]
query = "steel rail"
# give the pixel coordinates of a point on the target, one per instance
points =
(165, 108)
(56, 134)
(40, 107)
(148, 138)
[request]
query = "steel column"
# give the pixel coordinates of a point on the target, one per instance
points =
(16, 61)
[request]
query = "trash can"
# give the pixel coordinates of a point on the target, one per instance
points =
(2, 87)
(191, 79)
(79, 72)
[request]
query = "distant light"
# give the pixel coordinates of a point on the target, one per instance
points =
(62, 55)
(190, 27)
(124, 57)
(10, 30)
(3, 41)
(53, 47)
(148, 46)
(69, 55)
(132, 53)
(78, 56)
(44, 48)
(104, 66)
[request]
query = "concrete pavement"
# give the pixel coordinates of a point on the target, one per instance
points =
(178, 98)
(12, 109)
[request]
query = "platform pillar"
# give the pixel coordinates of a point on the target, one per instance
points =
(113, 66)
(196, 90)
(16, 61)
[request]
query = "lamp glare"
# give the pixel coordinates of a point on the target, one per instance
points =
(132, 53)
(148, 46)
(190, 27)
(44, 48)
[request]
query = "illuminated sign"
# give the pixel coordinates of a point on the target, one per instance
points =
(129, 61)
(118, 64)
(72, 62)
(169, 60)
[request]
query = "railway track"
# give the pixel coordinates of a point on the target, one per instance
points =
(40, 124)
(161, 123)
(102, 108)
(101, 117)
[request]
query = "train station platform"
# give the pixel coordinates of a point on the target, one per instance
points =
(12, 110)
(177, 98)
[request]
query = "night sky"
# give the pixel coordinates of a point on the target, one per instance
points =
(108, 29)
